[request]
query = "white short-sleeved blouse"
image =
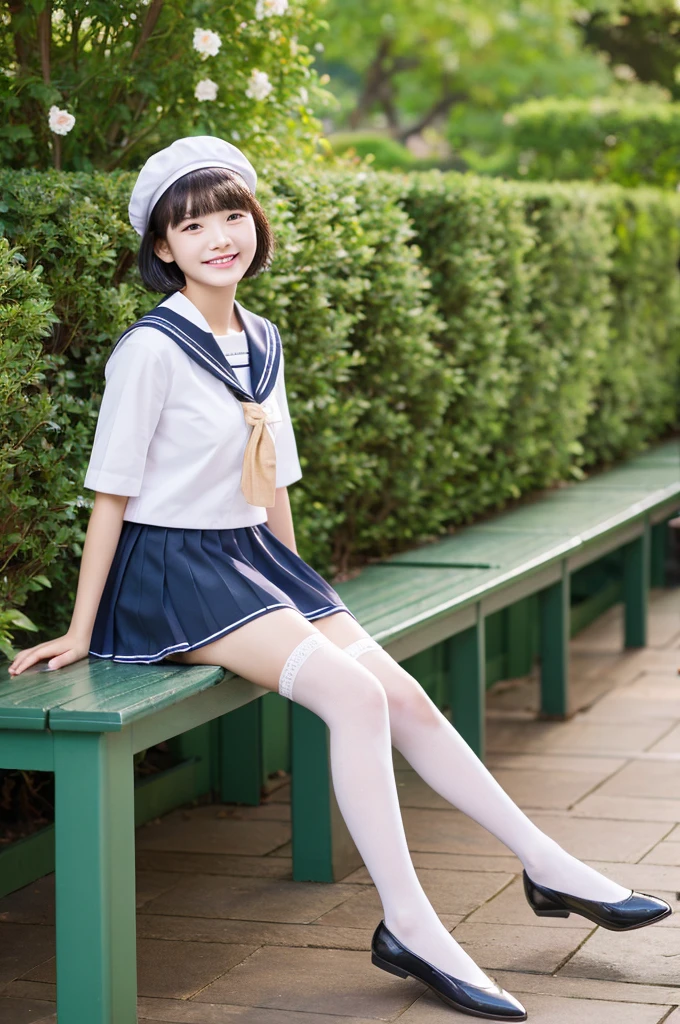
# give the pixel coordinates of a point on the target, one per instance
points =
(172, 436)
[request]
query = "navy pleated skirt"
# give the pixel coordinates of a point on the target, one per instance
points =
(170, 589)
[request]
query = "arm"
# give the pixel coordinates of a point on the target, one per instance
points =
(101, 540)
(280, 519)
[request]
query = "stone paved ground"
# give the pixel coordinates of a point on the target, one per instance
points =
(226, 936)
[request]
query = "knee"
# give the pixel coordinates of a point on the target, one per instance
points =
(408, 702)
(365, 691)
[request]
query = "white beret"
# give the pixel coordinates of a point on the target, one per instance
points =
(167, 165)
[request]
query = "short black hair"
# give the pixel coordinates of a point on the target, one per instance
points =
(207, 190)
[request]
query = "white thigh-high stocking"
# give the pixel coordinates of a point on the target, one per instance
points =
(451, 768)
(353, 704)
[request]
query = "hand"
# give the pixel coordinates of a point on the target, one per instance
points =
(63, 651)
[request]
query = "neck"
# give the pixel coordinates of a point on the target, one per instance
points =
(216, 305)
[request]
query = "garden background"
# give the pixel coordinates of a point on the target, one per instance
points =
(462, 326)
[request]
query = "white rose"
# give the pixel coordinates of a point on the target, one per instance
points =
(60, 121)
(259, 86)
(206, 90)
(266, 8)
(207, 43)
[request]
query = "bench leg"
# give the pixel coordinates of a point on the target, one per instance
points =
(323, 849)
(95, 878)
(636, 558)
(467, 684)
(659, 541)
(241, 754)
(554, 648)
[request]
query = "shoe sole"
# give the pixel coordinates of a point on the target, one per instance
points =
(391, 969)
(629, 928)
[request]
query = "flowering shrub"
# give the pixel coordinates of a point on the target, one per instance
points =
(107, 90)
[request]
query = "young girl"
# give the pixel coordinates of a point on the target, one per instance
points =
(190, 556)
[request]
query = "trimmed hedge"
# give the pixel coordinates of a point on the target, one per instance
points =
(451, 343)
(618, 141)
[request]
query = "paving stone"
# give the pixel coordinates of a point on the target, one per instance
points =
(447, 832)
(578, 763)
(588, 988)
(170, 969)
(259, 933)
(656, 779)
(449, 892)
(25, 1011)
(643, 876)
(547, 790)
(22, 989)
(520, 947)
(510, 907)
(574, 736)
(547, 1010)
(669, 744)
(22, 947)
(626, 808)
(174, 1011)
(32, 904)
(674, 1017)
(649, 958)
(214, 864)
(253, 899)
(508, 865)
(211, 834)
(591, 839)
(314, 980)
(665, 853)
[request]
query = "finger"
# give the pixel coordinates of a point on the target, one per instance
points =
(33, 654)
(62, 659)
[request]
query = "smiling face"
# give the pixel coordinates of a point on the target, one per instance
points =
(215, 249)
(206, 214)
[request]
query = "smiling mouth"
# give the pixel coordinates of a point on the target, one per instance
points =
(222, 261)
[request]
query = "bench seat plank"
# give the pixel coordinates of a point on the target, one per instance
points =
(123, 692)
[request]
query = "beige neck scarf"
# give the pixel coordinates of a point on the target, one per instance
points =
(258, 478)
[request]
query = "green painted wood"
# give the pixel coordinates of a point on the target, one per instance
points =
(636, 590)
(554, 648)
(241, 754)
(196, 745)
(233, 692)
(26, 750)
(467, 684)
(26, 859)
(589, 609)
(157, 794)
(518, 639)
(659, 547)
(95, 879)
(323, 850)
(275, 744)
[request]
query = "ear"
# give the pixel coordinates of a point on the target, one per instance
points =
(162, 250)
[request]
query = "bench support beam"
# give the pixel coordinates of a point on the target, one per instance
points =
(467, 683)
(636, 560)
(323, 849)
(241, 754)
(95, 878)
(554, 647)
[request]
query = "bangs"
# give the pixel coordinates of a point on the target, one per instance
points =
(207, 190)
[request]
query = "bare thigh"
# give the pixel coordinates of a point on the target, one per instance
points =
(258, 650)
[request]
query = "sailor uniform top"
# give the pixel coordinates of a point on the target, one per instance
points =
(171, 435)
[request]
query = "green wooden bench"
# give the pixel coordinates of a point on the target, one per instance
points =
(85, 722)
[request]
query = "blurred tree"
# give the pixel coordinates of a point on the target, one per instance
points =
(410, 64)
(642, 40)
(93, 84)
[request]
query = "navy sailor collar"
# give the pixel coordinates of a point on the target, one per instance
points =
(179, 319)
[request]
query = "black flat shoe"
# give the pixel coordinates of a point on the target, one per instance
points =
(492, 1003)
(636, 911)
